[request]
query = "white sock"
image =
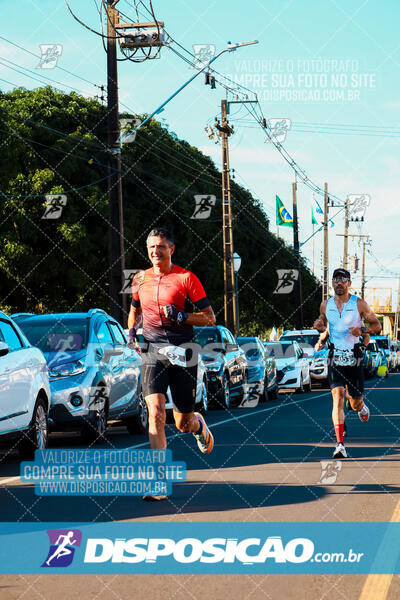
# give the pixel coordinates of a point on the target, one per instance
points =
(364, 410)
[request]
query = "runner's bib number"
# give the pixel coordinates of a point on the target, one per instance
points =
(344, 358)
(175, 355)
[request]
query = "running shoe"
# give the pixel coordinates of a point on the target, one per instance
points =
(364, 417)
(151, 498)
(205, 440)
(340, 451)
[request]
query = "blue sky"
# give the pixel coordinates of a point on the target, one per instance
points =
(303, 46)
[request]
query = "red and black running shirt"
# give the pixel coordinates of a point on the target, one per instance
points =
(152, 292)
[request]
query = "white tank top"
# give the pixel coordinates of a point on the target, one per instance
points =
(339, 323)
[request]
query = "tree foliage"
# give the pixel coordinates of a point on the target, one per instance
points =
(53, 143)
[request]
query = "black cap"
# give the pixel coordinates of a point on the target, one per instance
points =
(342, 272)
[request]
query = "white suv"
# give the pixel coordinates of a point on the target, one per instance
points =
(24, 391)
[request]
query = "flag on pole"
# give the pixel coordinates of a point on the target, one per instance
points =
(283, 217)
(317, 214)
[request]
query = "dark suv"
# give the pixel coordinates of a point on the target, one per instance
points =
(225, 364)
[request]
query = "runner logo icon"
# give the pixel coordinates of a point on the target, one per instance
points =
(62, 547)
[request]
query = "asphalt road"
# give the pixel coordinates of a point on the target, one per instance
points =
(265, 467)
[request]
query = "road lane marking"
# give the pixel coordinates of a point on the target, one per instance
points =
(175, 435)
(376, 587)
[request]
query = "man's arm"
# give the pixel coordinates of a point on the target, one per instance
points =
(369, 316)
(202, 318)
(135, 317)
(321, 325)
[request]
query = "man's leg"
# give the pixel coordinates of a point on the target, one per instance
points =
(157, 417)
(194, 423)
(356, 390)
(338, 412)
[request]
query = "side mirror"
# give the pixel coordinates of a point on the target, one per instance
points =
(4, 349)
(110, 351)
(232, 347)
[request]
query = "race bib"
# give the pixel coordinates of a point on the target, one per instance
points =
(175, 355)
(344, 358)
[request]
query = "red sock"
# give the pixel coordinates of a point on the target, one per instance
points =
(339, 432)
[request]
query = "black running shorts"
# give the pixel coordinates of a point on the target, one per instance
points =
(158, 373)
(353, 377)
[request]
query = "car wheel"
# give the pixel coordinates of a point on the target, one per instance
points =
(95, 431)
(225, 396)
(36, 438)
(264, 396)
(204, 398)
(140, 422)
(300, 389)
(308, 387)
(273, 394)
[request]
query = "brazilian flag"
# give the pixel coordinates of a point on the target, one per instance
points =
(283, 218)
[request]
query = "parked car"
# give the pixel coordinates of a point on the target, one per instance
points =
(319, 365)
(261, 369)
(24, 390)
(225, 364)
(368, 363)
(94, 376)
(293, 367)
(306, 338)
(397, 353)
(385, 343)
(378, 355)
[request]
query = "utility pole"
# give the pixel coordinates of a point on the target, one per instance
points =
(229, 274)
(116, 248)
(364, 243)
(296, 247)
(346, 235)
(396, 316)
(325, 283)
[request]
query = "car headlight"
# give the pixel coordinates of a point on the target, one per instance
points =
(68, 369)
(212, 366)
(288, 368)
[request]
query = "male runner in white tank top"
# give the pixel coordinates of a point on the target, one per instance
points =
(341, 319)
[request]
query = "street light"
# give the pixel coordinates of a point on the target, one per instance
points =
(230, 48)
(237, 261)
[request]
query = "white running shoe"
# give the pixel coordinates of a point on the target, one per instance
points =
(364, 417)
(340, 451)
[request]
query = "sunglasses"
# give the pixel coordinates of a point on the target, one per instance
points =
(340, 278)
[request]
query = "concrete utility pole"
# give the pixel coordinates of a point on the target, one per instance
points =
(296, 247)
(396, 316)
(116, 248)
(229, 273)
(346, 234)
(364, 243)
(325, 282)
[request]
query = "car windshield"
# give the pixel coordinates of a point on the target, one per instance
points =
(249, 346)
(56, 334)
(280, 350)
(205, 336)
(382, 343)
(310, 339)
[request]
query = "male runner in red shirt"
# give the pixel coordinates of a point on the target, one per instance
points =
(160, 295)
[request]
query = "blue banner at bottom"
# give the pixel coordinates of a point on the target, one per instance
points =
(208, 548)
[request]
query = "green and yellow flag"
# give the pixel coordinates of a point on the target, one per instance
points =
(283, 217)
